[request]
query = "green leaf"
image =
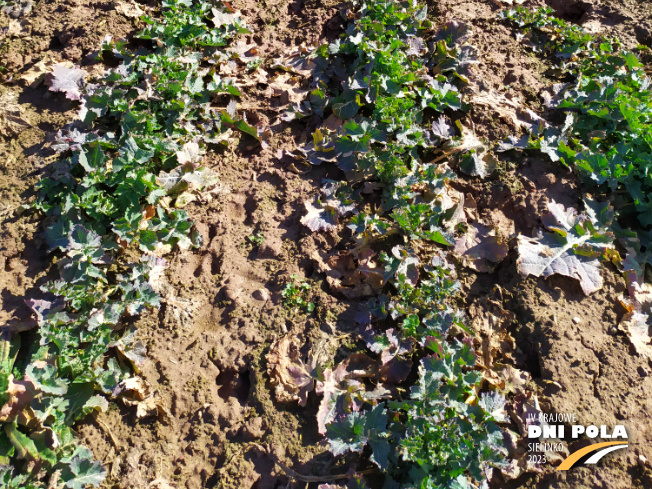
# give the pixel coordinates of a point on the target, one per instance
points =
(347, 105)
(95, 403)
(91, 157)
(421, 14)
(24, 446)
(631, 60)
(380, 452)
(80, 238)
(85, 473)
(7, 450)
(240, 125)
(347, 434)
(46, 379)
(477, 163)
(78, 395)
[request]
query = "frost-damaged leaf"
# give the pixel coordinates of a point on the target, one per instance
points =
(132, 349)
(131, 10)
(36, 74)
(442, 129)
(573, 249)
(507, 379)
(636, 325)
(543, 256)
(343, 391)
(490, 323)
(454, 32)
(366, 280)
(186, 177)
(525, 411)
(70, 139)
(133, 388)
(222, 18)
(156, 274)
(296, 63)
(633, 268)
(394, 368)
(153, 406)
(416, 46)
(20, 394)
(352, 274)
(66, 80)
(245, 52)
(42, 308)
(190, 153)
(134, 391)
(11, 122)
(17, 8)
(288, 89)
(473, 157)
(494, 404)
(480, 248)
(160, 483)
(324, 213)
(319, 218)
(291, 377)
(509, 110)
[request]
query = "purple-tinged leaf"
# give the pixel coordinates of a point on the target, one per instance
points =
(416, 46)
(71, 139)
(396, 370)
(573, 249)
(342, 392)
(363, 317)
(480, 248)
(66, 80)
(376, 342)
(454, 32)
(319, 218)
(442, 129)
(43, 308)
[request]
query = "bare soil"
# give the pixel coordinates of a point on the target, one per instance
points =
(207, 344)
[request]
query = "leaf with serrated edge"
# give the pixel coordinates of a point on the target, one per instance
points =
(85, 473)
(544, 257)
(568, 251)
(319, 219)
(66, 80)
(636, 325)
(480, 248)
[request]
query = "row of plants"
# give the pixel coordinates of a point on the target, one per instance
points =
(411, 403)
(113, 207)
(600, 125)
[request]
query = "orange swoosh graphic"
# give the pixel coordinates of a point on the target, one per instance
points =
(574, 457)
